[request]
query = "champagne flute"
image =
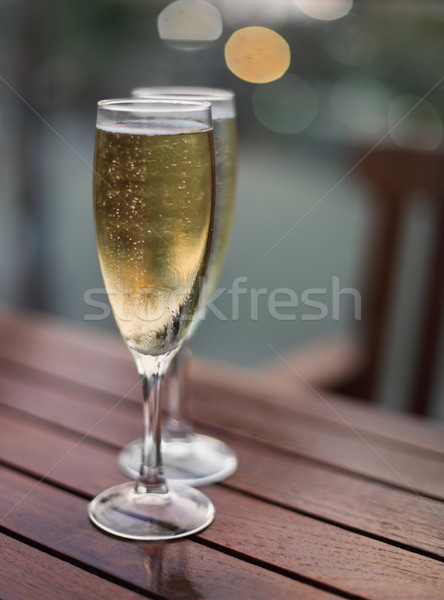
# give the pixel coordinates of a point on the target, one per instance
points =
(154, 212)
(192, 458)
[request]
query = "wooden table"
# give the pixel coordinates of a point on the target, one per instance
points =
(332, 499)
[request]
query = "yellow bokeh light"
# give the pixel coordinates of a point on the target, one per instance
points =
(257, 54)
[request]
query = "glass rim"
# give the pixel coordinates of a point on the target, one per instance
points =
(164, 105)
(182, 92)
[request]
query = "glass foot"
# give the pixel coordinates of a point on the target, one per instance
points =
(198, 460)
(127, 513)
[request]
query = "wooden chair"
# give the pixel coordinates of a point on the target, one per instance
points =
(394, 176)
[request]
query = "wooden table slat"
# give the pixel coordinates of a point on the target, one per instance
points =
(28, 574)
(185, 569)
(344, 447)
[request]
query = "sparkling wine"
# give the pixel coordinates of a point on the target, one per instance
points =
(225, 151)
(154, 204)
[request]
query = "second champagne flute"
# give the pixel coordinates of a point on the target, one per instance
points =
(193, 458)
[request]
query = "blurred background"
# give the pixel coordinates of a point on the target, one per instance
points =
(341, 102)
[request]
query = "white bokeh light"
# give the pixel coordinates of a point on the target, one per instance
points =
(190, 24)
(324, 10)
(288, 105)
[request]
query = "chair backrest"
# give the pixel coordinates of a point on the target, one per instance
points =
(395, 175)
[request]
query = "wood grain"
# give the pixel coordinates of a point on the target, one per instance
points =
(393, 426)
(320, 551)
(249, 528)
(342, 447)
(323, 504)
(266, 472)
(345, 447)
(101, 360)
(29, 574)
(184, 570)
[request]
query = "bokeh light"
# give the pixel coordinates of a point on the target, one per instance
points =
(190, 24)
(324, 10)
(415, 123)
(361, 102)
(257, 54)
(270, 13)
(288, 105)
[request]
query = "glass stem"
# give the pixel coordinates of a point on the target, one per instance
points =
(178, 423)
(151, 371)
